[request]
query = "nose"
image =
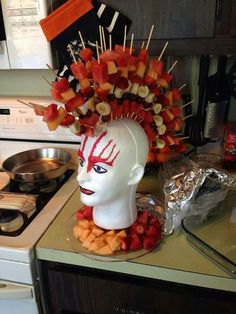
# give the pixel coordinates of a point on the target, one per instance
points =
(83, 175)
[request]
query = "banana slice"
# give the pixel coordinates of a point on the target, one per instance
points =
(161, 129)
(143, 91)
(75, 127)
(160, 143)
(103, 108)
(158, 120)
(128, 89)
(150, 98)
(118, 92)
(134, 88)
(157, 108)
(83, 109)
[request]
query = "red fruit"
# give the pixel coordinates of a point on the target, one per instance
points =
(143, 55)
(122, 83)
(162, 157)
(56, 94)
(123, 59)
(50, 113)
(148, 117)
(167, 76)
(155, 90)
(149, 243)
(175, 110)
(79, 70)
(148, 80)
(134, 78)
(176, 94)
(62, 85)
(113, 78)
(120, 49)
(124, 244)
(154, 220)
(101, 93)
(132, 60)
(143, 217)
(154, 231)
(167, 116)
(135, 242)
(138, 228)
(150, 132)
(135, 107)
(68, 120)
(73, 103)
(79, 215)
(88, 212)
(126, 106)
(117, 113)
(157, 65)
(182, 148)
(87, 92)
(93, 119)
(100, 72)
(113, 104)
(163, 100)
(86, 54)
(109, 55)
(165, 149)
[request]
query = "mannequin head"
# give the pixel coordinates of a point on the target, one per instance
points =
(111, 165)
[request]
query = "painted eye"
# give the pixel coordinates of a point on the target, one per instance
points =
(81, 162)
(99, 169)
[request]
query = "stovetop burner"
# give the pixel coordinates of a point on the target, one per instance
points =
(13, 223)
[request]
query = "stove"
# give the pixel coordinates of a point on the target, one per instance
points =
(21, 130)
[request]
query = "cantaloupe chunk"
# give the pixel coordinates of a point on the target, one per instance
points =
(96, 244)
(69, 94)
(105, 250)
(114, 243)
(111, 233)
(77, 231)
(97, 231)
(84, 234)
(88, 240)
(111, 67)
(53, 125)
(91, 224)
(84, 223)
(122, 234)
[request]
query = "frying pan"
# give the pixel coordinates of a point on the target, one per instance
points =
(37, 165)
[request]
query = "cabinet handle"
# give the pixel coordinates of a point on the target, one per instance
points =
(219, 9)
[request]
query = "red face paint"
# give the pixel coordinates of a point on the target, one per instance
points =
(92, 159)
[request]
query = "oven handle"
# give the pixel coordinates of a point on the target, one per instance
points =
(10, 291)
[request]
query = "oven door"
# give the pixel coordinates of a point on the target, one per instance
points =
(17, 298)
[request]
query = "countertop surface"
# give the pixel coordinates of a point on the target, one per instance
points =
(174, 260)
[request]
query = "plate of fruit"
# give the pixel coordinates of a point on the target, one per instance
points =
(144, 235)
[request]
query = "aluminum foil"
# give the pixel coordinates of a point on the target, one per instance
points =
(195, 190)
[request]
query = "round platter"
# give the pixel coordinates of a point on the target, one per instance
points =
(144, 201)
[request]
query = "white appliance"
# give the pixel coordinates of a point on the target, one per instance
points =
(20, 130)
(25, 46)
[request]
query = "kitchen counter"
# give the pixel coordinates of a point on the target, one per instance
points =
(174, 260)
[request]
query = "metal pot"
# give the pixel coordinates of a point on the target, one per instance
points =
(37, 165)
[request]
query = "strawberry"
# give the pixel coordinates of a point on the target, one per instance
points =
(176, 94)
(88, 212)
(62, 85)
(138, 228)
(87, 91)
(135, 242)
(101, 93)
(167, 76)
(79, 215)
(149, 243)
(155, 90)
(124, 244)
(153, 220)
(68, 120)
(50, 113)
(113, 78)
(163, 100)
(143, 217)
(122, 83)
(154, 231)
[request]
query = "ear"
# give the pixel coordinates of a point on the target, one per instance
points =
(136, 174)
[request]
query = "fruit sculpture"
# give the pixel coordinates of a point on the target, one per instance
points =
(120, 82)
(144, 233)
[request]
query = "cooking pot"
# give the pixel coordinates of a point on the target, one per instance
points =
(37, 165)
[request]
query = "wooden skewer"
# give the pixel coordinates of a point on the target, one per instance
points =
(173, 65)
(36, 105)
(72, 53)
(100, 36)
(81, 39)
(25, 103)
(131, 44)
(183, 138)
(53, 71)
(163, 50)
(190, 115)
(143, 43)
(149, 37)
(124, 41)
(104, 39)
(110, 42)
(46, 80)
(188, 103)
(98, 57)
(181, 87)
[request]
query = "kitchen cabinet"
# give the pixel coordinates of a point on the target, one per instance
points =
(191, 27)
(72, 289)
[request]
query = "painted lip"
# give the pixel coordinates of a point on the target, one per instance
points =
(85, 191)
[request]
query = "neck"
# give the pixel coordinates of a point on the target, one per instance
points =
(118, 214)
